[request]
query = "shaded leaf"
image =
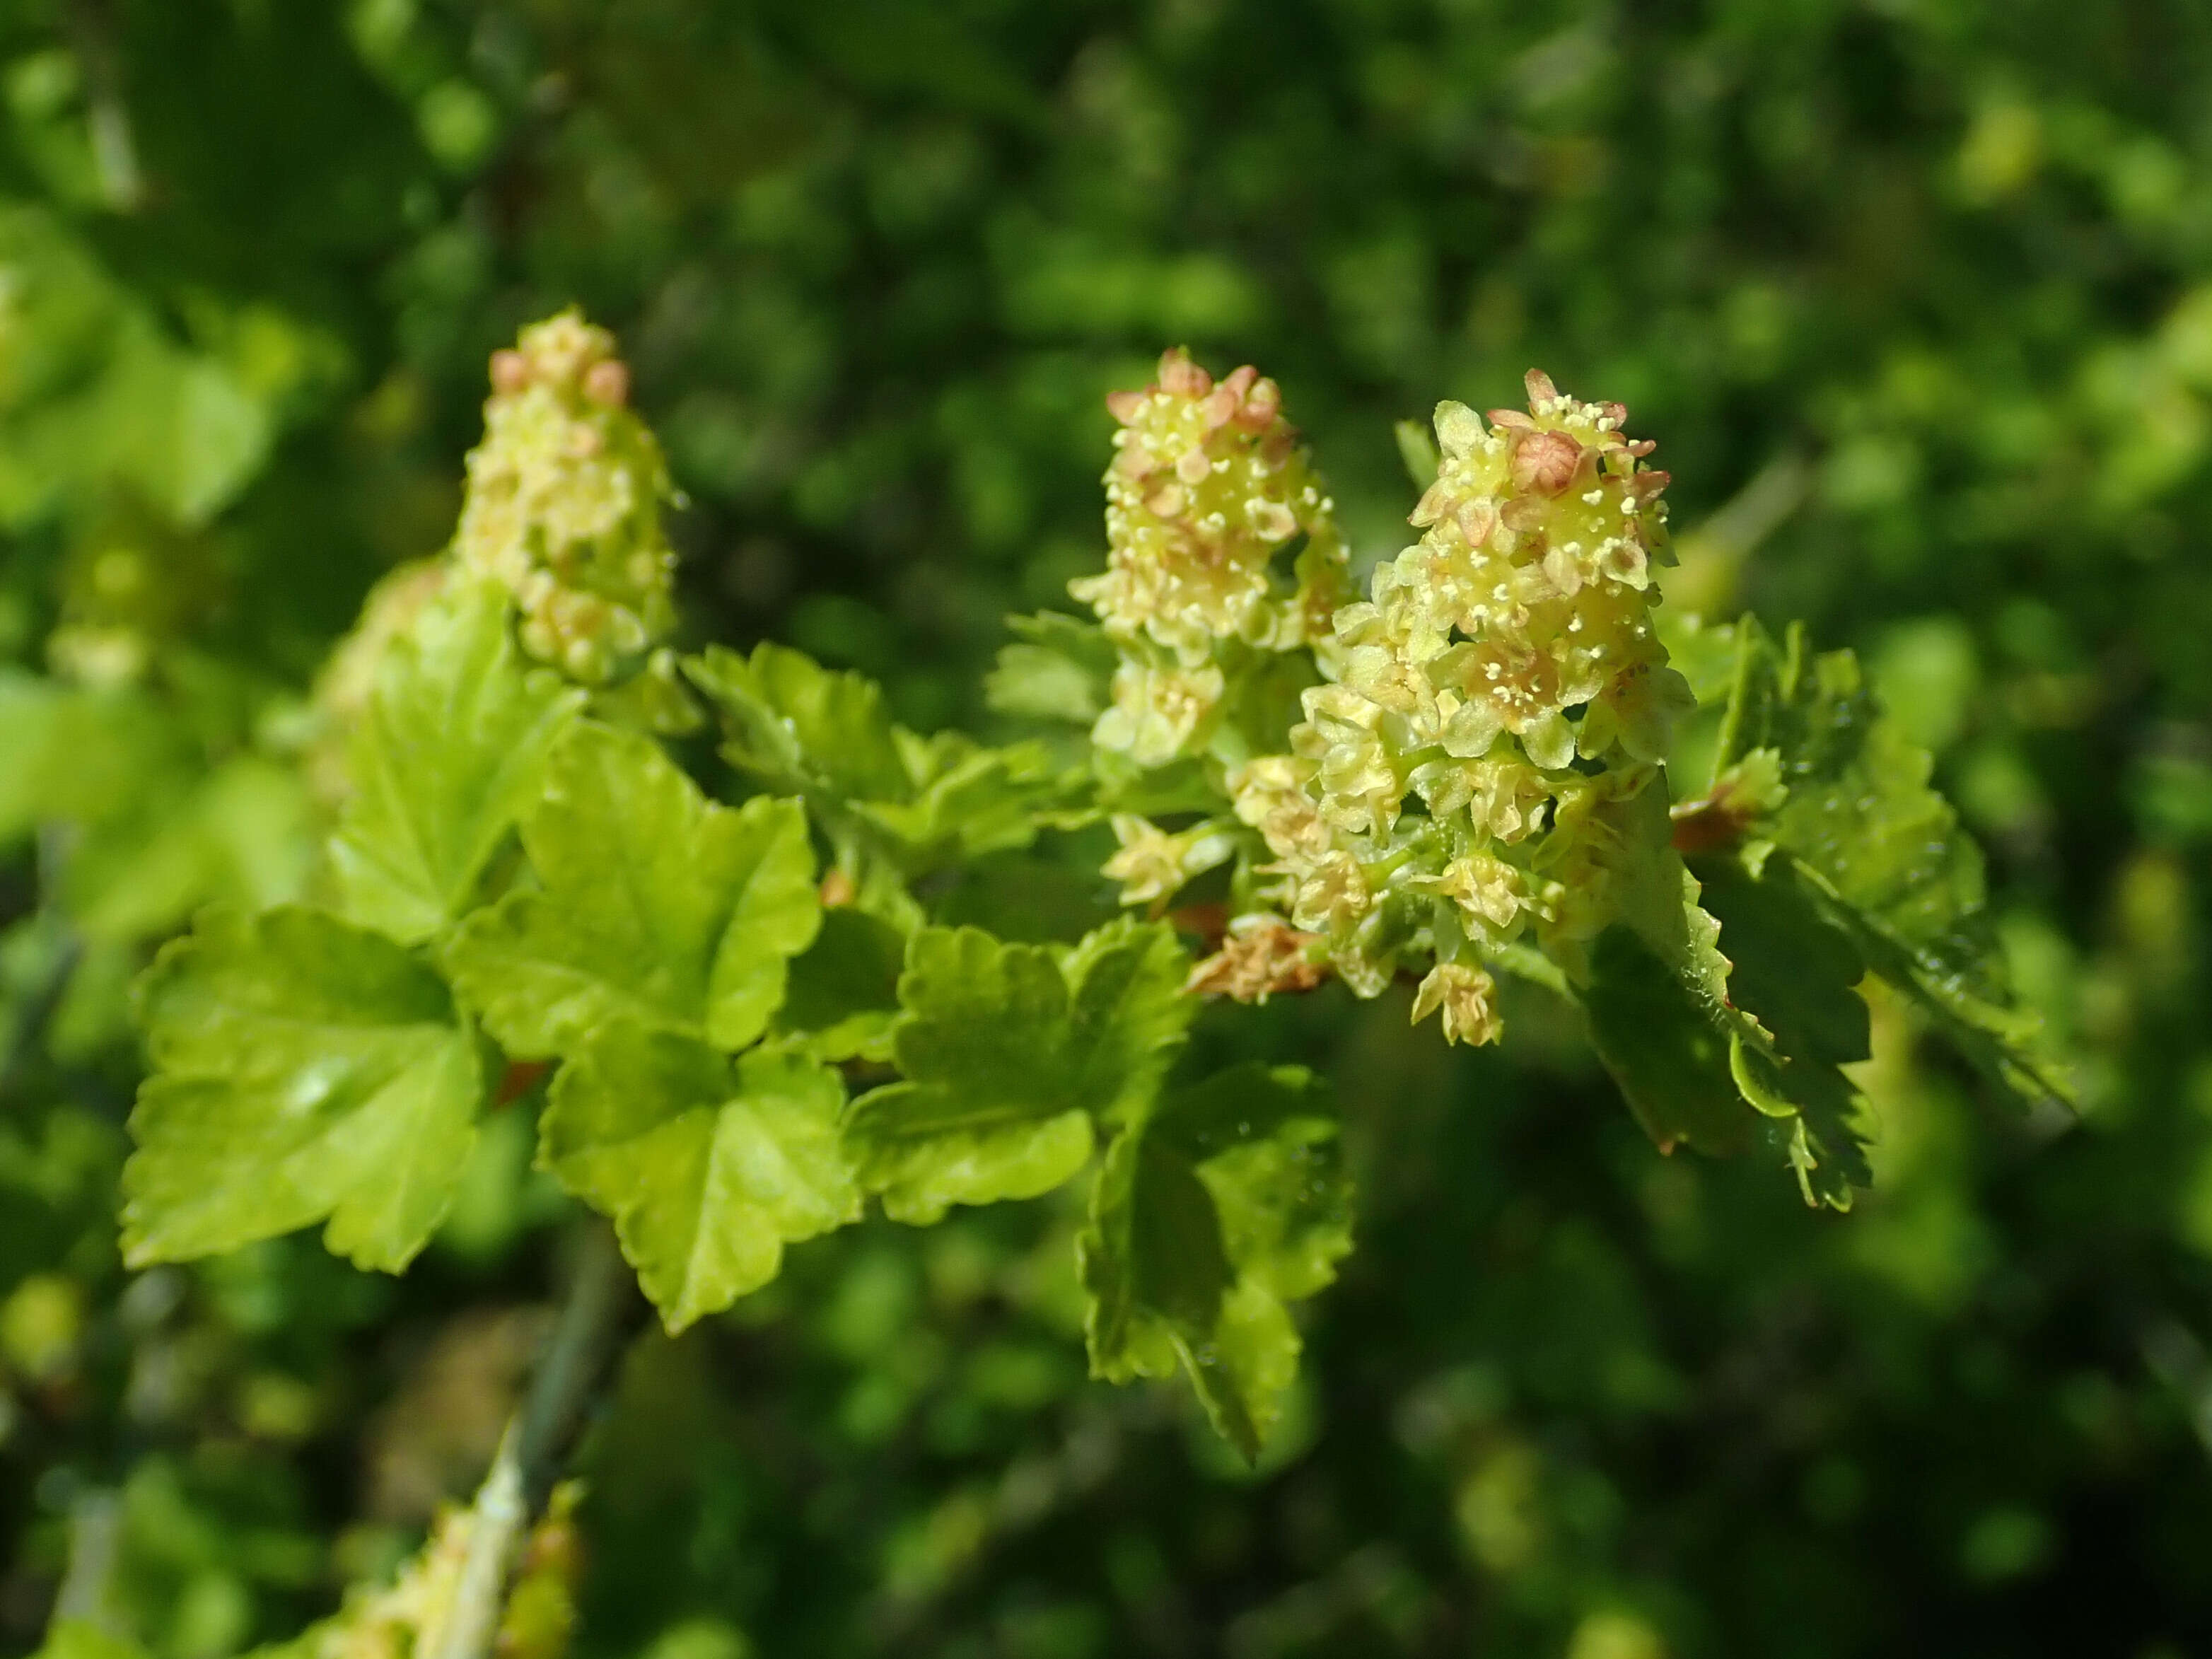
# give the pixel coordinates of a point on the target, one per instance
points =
(842, 996)
(1797, 973)
(1884, 857)
(1211, 1214)
(1663, 1046)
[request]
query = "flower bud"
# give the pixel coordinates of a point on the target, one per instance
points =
(563, 504)
(1208, 486)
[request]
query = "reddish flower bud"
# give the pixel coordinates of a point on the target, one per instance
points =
(1544, 463)
(1181, 376)
(1125, 406)
(607, 383)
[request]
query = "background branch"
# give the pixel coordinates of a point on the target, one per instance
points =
(534, 1449)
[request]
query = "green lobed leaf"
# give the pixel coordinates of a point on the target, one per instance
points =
(1008, 1052)
(800, 728)
(1211, 1214)
(303, 1068)
(1798, 975)
(1661, 1042)
(450, 751)
(878, 789)
(708, 1167)
(1059, 668)
(657, 905)
(1884, 859)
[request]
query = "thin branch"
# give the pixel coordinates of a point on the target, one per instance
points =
(96, 1536)
(114, 151)
(27, 1031)
(534, 1451)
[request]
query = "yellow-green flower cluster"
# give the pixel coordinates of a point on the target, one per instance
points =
(1209, 492)
(1479, 767)
(563, 504)
(412, 1615)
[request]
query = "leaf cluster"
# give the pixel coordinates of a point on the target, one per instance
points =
(516, 888)
(1819, 857)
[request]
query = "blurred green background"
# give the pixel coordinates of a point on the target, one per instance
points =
(1914, 295)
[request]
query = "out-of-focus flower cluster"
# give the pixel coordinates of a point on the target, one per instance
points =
(1208, 492)
(563, 504)
(409, 1616)
(1478, 767)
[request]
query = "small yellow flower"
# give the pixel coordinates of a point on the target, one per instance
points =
(1333, 894)
(1488, 889)
(1153, 863)
(1464, 995)
(1157, 712)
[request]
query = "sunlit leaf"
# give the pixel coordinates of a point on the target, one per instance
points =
(450, 750)
(303, 1069)
(657, 905)
(1009, 1052)
(708, 1167)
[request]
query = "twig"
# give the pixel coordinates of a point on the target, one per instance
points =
(96, 1535)
(28, 1029)
(534, 1448)
(35, 1011)
(114, 152)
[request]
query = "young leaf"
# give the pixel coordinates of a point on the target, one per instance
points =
(303, 1068)
(1008, 1052)
(657, 906)
(1059, 669)
(878, 789)
(708, 1169)
(1882, 855)
(966, 800)
(448, 753)
(1209, 1215)
(802, 729)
